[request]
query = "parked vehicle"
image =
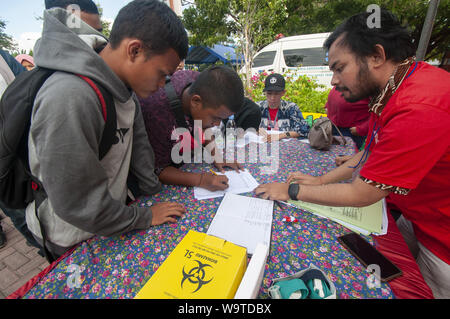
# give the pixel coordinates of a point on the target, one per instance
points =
(301, 54)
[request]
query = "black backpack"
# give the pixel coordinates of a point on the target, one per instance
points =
(176, 108)
(16, 182)
(18, 187)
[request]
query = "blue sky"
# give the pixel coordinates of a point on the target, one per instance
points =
(21, 23)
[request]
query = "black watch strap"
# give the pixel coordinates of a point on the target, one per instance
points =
(293, 191)
(288, 134)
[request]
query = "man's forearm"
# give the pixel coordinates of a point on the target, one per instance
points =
(293, 134)
(174, 176)
(343, 172)
(356, 194)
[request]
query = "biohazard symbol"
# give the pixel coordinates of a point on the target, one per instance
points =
(196, 275)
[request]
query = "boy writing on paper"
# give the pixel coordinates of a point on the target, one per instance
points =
(210, 97)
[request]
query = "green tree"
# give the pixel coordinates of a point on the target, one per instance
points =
(252, 24)
(245, 23)
(6, 41)
(105, 24)
(314, 16)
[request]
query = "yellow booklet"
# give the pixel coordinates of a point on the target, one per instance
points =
(200, 267)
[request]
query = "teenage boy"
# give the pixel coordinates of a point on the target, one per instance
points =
(408, 144)
(209, 97)
(86, 196)
(278, 114)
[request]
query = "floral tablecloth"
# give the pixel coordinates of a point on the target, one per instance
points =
(117, 267)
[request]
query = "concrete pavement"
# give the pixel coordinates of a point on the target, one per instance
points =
(18, 261)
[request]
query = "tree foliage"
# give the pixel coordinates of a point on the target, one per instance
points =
(246, 23)
(324, 16)
(6, 41)
(222, 21)
(302, 90)
(105, 24)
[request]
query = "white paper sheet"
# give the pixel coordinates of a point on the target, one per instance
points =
(242, 182)
(244, 221)
(251, 137)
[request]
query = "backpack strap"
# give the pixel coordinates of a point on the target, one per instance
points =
(339, 131)
(109, 115)
(175, 104)
(39, 196)
(325, 135)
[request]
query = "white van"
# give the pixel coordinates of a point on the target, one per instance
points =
(303, 54)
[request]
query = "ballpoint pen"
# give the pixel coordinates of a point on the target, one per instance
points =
(281, 202)
(278, 204)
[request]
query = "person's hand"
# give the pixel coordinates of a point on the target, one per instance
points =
(166, 212)
(213, 182)
(342, 159)
(304, 179)
(273, 137)
(262, 131)
(234, 165)
(273, 191)
(354, 131)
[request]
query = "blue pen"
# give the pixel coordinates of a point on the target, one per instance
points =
(278, 204)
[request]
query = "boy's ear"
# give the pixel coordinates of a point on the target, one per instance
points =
(196, 102)
(134, 49)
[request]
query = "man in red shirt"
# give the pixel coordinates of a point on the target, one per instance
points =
(352, 119)
(407, 155)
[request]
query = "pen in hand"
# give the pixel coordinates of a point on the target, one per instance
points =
(223, 180)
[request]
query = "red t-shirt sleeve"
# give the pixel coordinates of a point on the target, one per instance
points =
(408, 145)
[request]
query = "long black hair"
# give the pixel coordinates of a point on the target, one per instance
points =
(361, 37)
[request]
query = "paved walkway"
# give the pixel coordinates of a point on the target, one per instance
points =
(18, 261)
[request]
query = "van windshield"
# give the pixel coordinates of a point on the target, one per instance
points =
(264, 58)
(305, 57)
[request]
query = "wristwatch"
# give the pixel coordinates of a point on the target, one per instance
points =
(288, 134)
(293, 191)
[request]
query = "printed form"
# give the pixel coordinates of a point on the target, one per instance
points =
(242, 182)
(244, 221)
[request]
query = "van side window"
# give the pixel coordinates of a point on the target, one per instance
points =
(264, 58)
(305, 57)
